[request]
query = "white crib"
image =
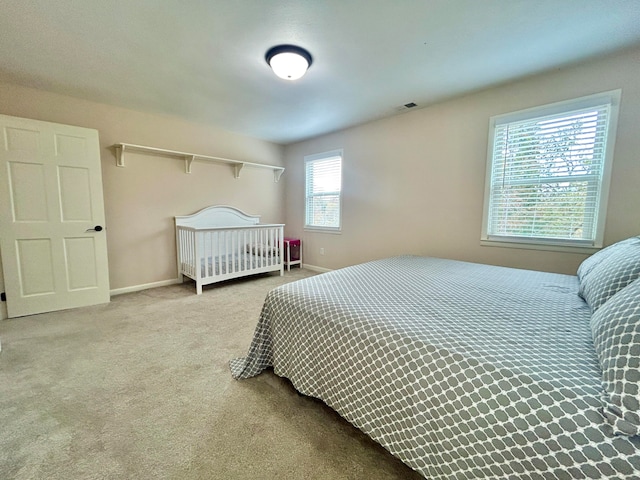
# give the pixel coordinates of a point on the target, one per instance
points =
(221, 242)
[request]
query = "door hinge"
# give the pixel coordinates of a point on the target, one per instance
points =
(3, 297)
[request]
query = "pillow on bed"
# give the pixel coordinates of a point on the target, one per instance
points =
(616, 336)
(592, 261)
(611, 274)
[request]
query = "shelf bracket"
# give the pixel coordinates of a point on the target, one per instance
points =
(120, 155)
(188, 160)
(277, 174)
(236, 169)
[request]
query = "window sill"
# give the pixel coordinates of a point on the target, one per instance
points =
(334, 231)
(552, 247)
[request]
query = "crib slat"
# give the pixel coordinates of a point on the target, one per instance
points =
(224, 265)
(185, 254)
(254, 248)
(267, 253)
(202, 240)
(272, 244)
(190, 249)
(232, 248)
(204, 256)
(263, 241)
(188, 252)
(223, 254)
(218, 258)
(227, 252)
(211, 254)
(257, 257)
(234, 251)
(267, 257)
(230, 265)
(244, 250)
(218, 254)
(239, 249)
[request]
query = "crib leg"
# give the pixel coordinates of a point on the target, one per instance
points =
(198, 288)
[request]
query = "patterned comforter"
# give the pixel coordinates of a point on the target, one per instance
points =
(460, 370)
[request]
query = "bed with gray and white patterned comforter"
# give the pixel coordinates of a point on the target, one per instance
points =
(460, 370)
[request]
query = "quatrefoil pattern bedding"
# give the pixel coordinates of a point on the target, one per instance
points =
(460, 370)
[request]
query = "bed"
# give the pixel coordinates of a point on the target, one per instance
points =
(464, 370)
(220, 243)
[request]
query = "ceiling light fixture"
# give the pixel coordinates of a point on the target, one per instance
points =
(288, 61)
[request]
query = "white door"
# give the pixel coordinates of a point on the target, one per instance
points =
(52, 238)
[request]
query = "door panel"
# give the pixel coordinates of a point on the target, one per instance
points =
(27, 189)
(75, 194)
(22, 140)
(80, 263)
(35, 266)
(70, 146)
(50, 200)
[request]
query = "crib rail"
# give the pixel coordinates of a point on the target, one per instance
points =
(209, 255)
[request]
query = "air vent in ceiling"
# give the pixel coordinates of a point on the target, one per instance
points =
(405, 107)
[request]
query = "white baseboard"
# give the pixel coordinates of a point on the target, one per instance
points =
(145, 286)
(174, 281)
(314, 268)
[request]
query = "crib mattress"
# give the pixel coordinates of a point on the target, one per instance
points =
(219, 265)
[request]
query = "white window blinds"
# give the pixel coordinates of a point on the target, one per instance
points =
(323, 174)
(547, 176)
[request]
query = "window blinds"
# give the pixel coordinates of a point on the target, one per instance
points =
(546, 176)
(323, 185)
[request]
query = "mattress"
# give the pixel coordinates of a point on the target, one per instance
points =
(223, 264)
(460, 370)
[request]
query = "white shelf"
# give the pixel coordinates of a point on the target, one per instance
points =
(188, 158)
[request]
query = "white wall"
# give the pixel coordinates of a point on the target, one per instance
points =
(414, 183)
(142, 198)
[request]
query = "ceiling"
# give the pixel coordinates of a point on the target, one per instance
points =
(203, 60)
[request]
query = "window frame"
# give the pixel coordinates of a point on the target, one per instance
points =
(315, 158)
(612, 98)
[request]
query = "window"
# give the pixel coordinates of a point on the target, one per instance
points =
(548, 172)
(323, 184)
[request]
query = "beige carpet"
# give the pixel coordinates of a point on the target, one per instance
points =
(140, 388)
